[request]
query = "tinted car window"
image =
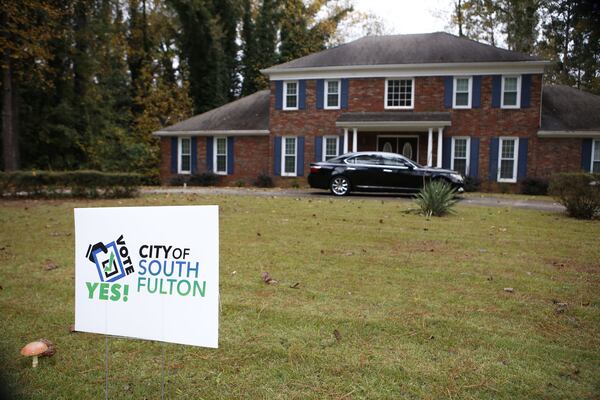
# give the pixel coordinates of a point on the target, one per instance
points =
(393, 160)
(365, 159)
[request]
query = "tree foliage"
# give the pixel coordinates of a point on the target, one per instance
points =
(566, 32)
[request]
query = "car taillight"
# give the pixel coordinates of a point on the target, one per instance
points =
(314, 169)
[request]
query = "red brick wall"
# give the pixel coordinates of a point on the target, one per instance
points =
(368, 94)
(254, 155)
(250, 157)
(556, 155)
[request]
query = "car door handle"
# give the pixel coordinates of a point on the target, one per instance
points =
(351, 169)
(387, 170)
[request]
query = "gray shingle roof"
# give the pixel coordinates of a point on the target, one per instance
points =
(250, 113)
(568, 109)
(394, 117)
(426, 48)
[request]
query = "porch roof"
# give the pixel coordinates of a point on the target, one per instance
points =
(402, 121)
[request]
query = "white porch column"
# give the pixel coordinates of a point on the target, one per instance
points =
(355, 140)
(345, 140)
(430, 148)
(439, 148)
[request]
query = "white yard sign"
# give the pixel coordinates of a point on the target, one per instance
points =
(149, 273)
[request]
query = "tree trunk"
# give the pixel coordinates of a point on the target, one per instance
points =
(10, 137)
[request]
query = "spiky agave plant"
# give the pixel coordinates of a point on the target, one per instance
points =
(436, 198)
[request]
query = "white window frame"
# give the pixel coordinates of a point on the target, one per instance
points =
(469, 93)
(326, 93)
(468, 153)
(595, 142)
(283, 154)
(518, 103)
(412, 98)
(337, 146)
(515, 158)
(285, 96)
(180, 154)
(215, 147)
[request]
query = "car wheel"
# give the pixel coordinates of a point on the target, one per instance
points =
(340, 186)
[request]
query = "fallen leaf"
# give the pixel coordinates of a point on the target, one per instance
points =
(257, 233)
(266, 277)
(337, 335)
(381, 221)
(509, 290)
(431, 337)
(50, 266)
(560, 308)
(233, 272)
(295, 285)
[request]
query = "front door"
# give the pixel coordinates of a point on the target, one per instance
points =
(407, 146)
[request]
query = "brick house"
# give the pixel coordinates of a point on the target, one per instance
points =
(439, 99)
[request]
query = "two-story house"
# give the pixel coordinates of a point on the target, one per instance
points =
(436, 98)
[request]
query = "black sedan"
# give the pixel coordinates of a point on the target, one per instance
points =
(376, 171)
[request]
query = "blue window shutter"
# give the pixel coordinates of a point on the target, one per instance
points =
(318, 148)
(230, 159)
(474, 158)
(194, 154)
(320, 93)
(448, 89)
(586, 155)
(209, 153)
(278, 95)
(522, 166)
(446, 152)
(493, 167)
(496, 88)
(341, 145)
(302, 94)
(345, 93)
(476, 100)
(174, 155)
(300, 156)
(277, 156)
(525, 90)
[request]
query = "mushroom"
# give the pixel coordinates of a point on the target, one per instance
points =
(40, 348)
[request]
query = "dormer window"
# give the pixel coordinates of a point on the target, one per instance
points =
(332, 95)
(399, 93)
(511, 91)
(462, 92)
(290, 95)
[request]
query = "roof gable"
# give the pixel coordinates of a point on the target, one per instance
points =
(428, 48)
(568, 109)
(248, 114)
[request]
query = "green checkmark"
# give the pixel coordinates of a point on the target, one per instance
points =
(110, 262)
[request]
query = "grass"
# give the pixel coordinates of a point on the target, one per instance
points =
(418, 304)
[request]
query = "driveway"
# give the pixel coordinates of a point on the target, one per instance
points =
(479, 199)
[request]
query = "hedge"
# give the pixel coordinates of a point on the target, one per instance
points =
(578, 192)
(70, 183)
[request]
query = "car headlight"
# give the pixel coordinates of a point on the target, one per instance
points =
(456, 177)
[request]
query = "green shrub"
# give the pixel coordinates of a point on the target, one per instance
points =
(69, 183)
(436, 198)
(534, 186)
(240, 183)
(472, 184)
(578, 192)
(179, 180)
(263, 181)
(204, 179)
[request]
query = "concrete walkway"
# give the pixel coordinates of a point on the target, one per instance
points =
(480, 199)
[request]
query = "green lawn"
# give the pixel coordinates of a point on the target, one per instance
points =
(419, 305)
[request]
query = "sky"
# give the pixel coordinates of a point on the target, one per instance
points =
(409, 16)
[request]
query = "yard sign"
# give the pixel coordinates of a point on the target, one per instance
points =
(149, 273)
